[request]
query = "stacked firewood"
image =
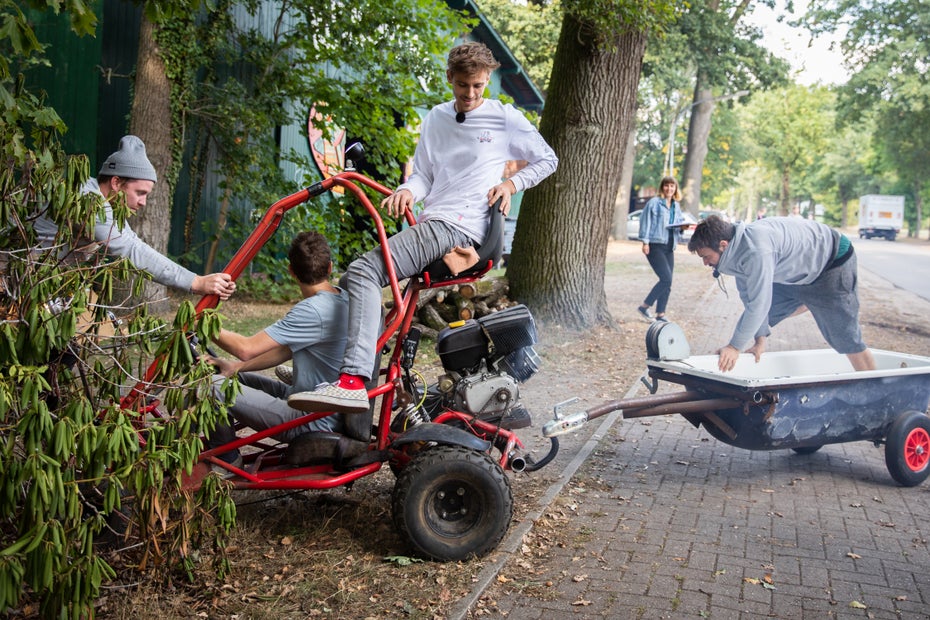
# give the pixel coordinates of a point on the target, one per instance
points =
(437, 307)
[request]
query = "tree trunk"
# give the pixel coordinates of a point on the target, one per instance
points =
(559, 249)
(785, 207)
(698, 133)
(151, 121)
(702, 108)
(622, 204)
(918, 207)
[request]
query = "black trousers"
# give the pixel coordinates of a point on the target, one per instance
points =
(662, 260)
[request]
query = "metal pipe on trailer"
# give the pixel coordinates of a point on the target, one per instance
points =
(686, 402)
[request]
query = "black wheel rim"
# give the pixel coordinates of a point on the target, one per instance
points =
(454, 508)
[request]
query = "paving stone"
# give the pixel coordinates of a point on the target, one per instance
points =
(672, 523)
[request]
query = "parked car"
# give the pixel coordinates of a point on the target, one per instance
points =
(705, 212)
(632, 226)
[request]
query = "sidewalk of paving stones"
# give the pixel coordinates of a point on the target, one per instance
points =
(653, 518)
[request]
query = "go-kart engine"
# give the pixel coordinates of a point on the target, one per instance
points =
(482, 394)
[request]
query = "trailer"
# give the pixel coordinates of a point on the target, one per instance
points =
(797, 400)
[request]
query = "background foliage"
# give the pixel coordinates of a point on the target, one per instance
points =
(75, 465)
(245, 68)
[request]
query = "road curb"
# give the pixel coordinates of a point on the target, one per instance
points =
(511, 543)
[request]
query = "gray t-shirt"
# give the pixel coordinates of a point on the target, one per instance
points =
(315, 331)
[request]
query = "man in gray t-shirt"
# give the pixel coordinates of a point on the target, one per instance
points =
(312, 334)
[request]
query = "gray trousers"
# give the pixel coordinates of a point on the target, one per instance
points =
(412, 250)
(263, 404)
(833, 300)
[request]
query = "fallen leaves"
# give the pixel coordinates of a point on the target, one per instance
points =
(766, 582)
(401, 560)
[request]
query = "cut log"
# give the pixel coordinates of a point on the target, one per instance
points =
(465, 308)
(490, 291)
(430, 317)
(426, 296)
(468, 291)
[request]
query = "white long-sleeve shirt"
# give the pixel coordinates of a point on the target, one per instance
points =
(455, 164)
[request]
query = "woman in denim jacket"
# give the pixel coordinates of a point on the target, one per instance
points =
(660, 232)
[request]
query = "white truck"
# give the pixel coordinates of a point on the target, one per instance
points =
(880, 216)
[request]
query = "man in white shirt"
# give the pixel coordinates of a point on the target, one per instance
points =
(457, 167)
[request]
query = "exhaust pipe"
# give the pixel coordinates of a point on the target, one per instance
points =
(517, 463)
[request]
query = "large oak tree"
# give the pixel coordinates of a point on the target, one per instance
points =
(558, 259)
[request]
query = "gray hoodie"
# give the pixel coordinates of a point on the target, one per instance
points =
(120, 242)
(775, 250)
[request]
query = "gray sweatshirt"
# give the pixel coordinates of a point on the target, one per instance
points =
(120, 242)
(775, 250)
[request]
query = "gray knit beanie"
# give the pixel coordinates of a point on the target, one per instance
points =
(129, 162)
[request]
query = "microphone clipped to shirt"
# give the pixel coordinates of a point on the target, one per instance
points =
(459, 117)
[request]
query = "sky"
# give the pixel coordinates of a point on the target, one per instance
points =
(812, 64)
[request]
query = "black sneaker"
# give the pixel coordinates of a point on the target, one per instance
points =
(644, 312)
(662, 318)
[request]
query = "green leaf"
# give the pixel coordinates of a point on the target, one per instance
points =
(401, 560)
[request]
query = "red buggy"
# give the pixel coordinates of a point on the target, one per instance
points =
(449, 444)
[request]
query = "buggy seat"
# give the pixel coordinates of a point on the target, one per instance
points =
(489, 253)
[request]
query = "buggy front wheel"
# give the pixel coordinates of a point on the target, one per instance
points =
(452, 503)
(907, 448)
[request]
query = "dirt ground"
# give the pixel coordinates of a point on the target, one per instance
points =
(336, 554)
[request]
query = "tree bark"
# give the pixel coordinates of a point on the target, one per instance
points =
(589, 114)
(622, 204)
(700, 124)
(698, 133)
(785, 207)
(919, 208)
(151, 121)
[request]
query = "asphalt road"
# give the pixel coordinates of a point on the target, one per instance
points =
(906, 264)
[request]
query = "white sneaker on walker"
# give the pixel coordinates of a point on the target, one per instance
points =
(331, 397)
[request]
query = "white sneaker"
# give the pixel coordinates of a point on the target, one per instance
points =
(284, 373)
(331, 397)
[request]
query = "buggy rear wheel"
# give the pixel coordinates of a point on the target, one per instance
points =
(907, 448)
(806, 449)
(452, 503)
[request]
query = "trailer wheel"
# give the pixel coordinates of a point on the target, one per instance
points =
(907, 448)
(806, 449)
(452, 503)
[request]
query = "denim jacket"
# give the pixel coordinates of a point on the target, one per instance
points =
(653, 223)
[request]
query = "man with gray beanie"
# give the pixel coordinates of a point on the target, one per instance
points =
(129, 171)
